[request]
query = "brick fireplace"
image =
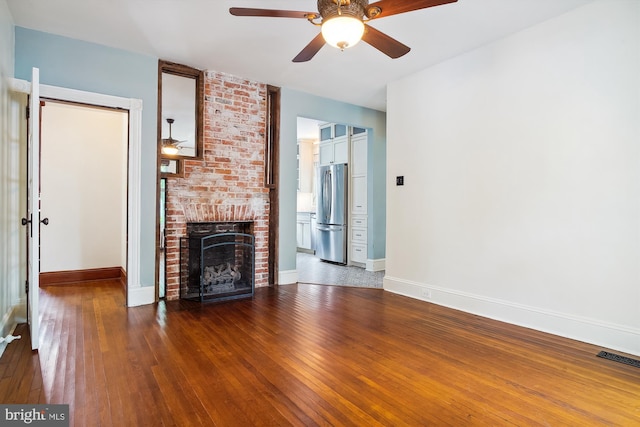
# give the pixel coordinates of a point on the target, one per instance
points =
(228, 183)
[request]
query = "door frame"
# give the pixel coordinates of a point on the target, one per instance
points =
(135, 294)
(272, 181)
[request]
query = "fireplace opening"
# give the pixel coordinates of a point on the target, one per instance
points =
(217, 261)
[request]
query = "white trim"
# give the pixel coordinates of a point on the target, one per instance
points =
(74, 95)
(133, 208)
(288, 277)
(8, 321)
(141, 295)
(134, 287)
(20, 310)
(609, 335)
(376, 264)
(7, 327)
(19, 86)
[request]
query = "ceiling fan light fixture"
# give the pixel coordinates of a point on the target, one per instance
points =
(342, 31)
(170, 150)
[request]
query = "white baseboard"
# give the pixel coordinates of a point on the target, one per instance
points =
(7, 326)
(141, 295)
(8, 321)
(612, 336)
(288, 277)
(376, 264)
(20, 310)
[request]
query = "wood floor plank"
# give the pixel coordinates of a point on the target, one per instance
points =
(306, 355)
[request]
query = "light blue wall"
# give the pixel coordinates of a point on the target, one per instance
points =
(294, 104)
(95, 68)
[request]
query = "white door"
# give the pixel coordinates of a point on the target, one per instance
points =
(33, 208)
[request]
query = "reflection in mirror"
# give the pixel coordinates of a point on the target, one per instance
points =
(170, 167)
(180, 116)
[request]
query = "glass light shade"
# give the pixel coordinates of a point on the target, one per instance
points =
(171, 150)
(342, 31)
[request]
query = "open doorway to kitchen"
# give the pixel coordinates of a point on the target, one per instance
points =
(332, 186)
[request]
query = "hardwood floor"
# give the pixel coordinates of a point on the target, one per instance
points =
(306, 355)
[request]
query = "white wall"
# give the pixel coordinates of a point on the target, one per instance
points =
(522, 178)
(83, 187)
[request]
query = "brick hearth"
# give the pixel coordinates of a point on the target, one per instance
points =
(228, 183)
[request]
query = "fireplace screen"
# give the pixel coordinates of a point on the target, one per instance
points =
(216, 266)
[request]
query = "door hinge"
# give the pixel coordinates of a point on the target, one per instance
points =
(27, 112)
(26, 286)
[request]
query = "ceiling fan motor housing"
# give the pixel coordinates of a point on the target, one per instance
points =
(332, 8)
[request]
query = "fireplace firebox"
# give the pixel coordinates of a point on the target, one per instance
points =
(217, 261)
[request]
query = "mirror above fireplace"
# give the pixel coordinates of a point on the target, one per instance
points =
(180, 111)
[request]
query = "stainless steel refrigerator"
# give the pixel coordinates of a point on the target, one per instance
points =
(331, 216)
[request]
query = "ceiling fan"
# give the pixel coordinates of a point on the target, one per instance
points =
(345, 22)
(171, 146)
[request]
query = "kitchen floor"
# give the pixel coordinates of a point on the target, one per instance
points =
(312, 270)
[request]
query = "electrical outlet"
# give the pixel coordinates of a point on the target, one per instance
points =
(425, 293)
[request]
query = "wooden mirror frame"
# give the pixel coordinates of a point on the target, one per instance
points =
(179, 70)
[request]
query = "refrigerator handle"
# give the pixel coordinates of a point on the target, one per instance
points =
(330, 187)
(326, 201)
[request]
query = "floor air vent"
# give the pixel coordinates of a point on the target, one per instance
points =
(618, 358)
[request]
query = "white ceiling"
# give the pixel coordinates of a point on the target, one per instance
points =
(202, 34)
(308, 128)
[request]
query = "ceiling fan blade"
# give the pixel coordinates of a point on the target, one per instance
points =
(394, 7)
(385, 44)
(311, 49)
(244, 11)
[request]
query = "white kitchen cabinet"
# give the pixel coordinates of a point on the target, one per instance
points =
(334, 144)
(359, 155)
(358, 253)
(303, 231)
(359, 221)
(326, 153)
(358, 235)
(341, 150)
(331, 131)
(358, 194)
(336, 151)
(359, 174)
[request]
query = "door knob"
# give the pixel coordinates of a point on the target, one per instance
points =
(25, 221)
(45, 221)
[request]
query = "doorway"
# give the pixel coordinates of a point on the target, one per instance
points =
(83, 192)
(320, 143)
(326, 145)
(136, 294)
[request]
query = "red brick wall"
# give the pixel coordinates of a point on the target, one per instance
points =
(228, 184)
